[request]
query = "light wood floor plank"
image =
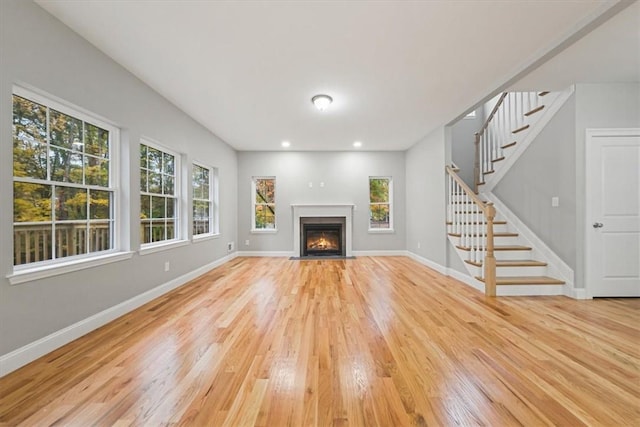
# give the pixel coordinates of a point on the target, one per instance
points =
(363, 342)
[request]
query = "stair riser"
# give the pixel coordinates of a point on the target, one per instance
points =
(496, 241)
(498, 228)
(518, 271)
(511, 255)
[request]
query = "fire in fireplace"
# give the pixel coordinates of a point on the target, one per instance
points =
(322, 236)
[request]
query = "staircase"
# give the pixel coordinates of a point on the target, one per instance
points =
(497, 256)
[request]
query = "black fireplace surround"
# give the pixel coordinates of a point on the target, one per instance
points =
(322, 236)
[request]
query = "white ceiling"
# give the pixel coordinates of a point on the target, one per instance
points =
(397, 70)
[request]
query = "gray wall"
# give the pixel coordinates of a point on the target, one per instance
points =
(598, 106)
(346, 180)
(463, 145)
(547, 169)
(426, 198)
(53, 59)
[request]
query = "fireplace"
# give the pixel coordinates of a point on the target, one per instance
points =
(322, 236)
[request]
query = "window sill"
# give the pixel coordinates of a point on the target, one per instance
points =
(205, 237)
(31, 274)
(381, 231)
(163, 246)
(264, 231)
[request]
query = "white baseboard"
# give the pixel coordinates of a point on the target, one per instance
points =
(380, 253)
(16, 359)
(431, 264)
(576, 293)
(265, 253)
(466, 279)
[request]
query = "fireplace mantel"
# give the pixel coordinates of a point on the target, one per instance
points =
(301, 210)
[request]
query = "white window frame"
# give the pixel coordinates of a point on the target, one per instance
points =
(179, 238)
(120, 247)
(390, 229)
(253, 206)
(214, 221)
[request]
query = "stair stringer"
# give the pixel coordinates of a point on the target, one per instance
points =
(556, 267)
(536, 127)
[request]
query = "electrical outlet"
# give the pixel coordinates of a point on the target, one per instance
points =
(418, 245)
(555, 202)
(230, 246)
(246, 242)
(167, 266)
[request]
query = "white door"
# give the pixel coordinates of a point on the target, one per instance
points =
(613, 212)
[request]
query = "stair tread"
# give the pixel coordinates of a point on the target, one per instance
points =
(512, 263)
(525, 280)
(497, 234)
(543, 93)
(520, 129)
(499, 159)
(500, 248)
(511, 144)
(498, 222)
(535, 110)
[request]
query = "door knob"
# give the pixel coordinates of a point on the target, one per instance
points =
(598, 225)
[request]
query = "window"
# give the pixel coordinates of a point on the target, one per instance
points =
(205, 215)
(264, 204)
(471, 115)
(159, 198)
(63, 191)
(380, 203)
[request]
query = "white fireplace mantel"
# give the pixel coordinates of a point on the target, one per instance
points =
(302, 210)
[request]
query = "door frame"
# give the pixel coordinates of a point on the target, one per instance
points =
(591, 134)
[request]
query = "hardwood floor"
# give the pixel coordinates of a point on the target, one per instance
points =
(363, 342)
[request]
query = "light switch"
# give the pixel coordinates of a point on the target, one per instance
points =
(555, 202)
(310, 184)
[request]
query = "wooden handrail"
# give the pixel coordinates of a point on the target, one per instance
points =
(470, 193)
(493, 113)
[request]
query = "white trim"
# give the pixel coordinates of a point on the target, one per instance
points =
(531, 134)
(590, 134)
(212, 200)
(274, 254)
(401, 252)
(204, 237)
(556, 266)
(162, 246)
(51, 270)
(466, 279)
(11, 361)
(263, 230)
(381, 231)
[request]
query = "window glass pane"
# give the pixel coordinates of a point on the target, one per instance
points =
(169, 163)
(143, 156)
(32, 243)
(66, 166)
(158, 207)
(65, 131)
(29, 159)
(145, 207)
(155, 159)
(143, 181)
(168, 185)
(379, 190)
(96, 141)
(31, 202)
(170, 227)
(265, 190)
(96, 171)
(145, 231)
(71, 239)
(100, 206)
(171, 207)
(379, 216)
(265, 217)
(99, 236)
(155, 183)
(29, 120)
(157, 231)
(71, 203)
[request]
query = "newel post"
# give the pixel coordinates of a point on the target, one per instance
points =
(476, 164)
(490, 260)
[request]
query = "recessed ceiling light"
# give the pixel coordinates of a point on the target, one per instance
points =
(286, 144)
(357, 144)
(322, 102)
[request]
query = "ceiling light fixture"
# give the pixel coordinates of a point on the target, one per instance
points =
(322, 102)
(357, 144)
(286, 144)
